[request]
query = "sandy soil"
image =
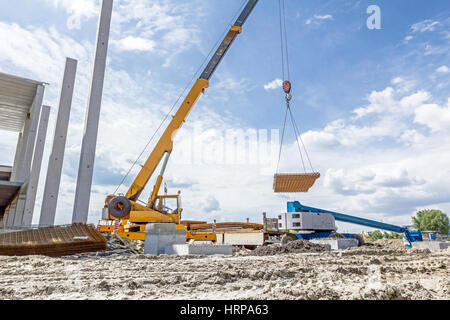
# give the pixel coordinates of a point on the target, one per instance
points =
(369, 272)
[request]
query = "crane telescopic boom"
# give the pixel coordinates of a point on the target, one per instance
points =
(164, 146)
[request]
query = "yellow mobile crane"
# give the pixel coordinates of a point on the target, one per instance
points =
(126, 210)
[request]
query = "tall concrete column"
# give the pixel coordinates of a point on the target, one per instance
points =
(10, 212)
(17, 156)
(35, 168)
(87, 157)
(55, 163)
(26, 150)
(17, 207)
(24, 159)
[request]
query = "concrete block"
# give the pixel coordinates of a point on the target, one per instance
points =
(337, 244)
(241, 238)
(431, 245)
(202, 249)
(160, 237)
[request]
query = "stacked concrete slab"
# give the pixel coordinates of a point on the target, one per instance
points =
(337, 244)
(202, 249)
(431, 245)
(165, 238)
(160, 238)
(249, 238)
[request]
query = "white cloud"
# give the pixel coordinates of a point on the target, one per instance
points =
(210, 205)
(49, 50)
(318, 19)
(77, 9)
(275, 84)
(323, 17)
(443, 69)
(138, 24)
(173, 24)
(426, 25)
(134, 44)
(379, 101)
(385, 102)
(412, 137)
(402, 85)
(228, 82)
(433, 116)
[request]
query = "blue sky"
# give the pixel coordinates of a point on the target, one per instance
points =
(373, 105)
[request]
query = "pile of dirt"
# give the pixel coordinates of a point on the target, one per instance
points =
(298, 246)
(394, 243)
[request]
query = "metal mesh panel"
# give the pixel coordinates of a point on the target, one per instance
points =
(53, 241)
(294, 182)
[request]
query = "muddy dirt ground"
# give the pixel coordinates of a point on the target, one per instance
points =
(380, 271)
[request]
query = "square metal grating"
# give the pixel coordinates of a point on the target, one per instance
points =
(53, 241)
(294, 182)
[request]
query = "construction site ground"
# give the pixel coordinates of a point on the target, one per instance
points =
(383, 270)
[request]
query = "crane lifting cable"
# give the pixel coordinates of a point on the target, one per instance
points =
(283, 182)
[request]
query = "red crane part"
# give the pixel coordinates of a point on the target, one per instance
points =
(287, 87)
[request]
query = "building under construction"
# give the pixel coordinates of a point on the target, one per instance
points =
(21, 111)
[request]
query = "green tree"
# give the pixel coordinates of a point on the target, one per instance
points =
(387, 235)
(376, 235)
(432, 220)
(396, 235)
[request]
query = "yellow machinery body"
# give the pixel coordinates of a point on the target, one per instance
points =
(133, 226)
(137, 231)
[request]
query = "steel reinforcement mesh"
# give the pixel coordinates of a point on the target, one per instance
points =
(294, 182)
(53, 241)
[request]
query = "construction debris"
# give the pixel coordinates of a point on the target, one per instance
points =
(116, 242)
(294, 182)
(298, 246)
(53, 241)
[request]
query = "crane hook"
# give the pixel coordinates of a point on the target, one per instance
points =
(287, 89)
